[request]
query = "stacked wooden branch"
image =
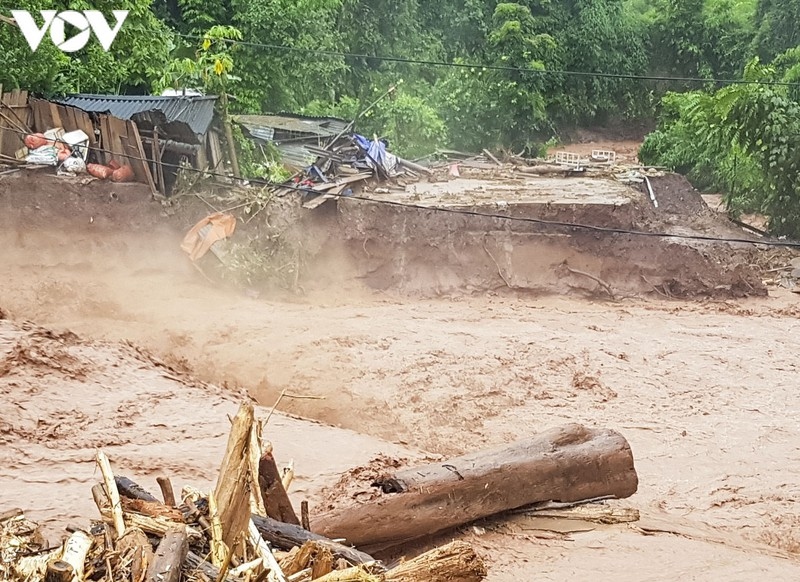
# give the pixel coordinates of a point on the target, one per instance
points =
(246, 529)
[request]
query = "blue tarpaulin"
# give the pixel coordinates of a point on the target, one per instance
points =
(377, 156)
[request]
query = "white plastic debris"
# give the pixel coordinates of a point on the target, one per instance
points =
(78, 142)
(72, 166)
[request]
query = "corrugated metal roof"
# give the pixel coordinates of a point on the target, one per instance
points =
(195, 112)
(296, 155)
(318, 126)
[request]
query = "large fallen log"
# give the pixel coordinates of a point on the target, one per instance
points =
(569, 463)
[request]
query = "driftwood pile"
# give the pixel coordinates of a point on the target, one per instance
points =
(246, 529)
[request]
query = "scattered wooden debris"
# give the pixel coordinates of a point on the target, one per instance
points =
(593, 512)
(456, 561)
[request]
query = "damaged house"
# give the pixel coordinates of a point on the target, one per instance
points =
(298, 138)
(154, 135)
(171, 129)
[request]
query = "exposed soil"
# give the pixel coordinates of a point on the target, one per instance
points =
(430, 252)
(704, 391)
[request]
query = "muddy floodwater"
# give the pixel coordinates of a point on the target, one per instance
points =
(705, 392)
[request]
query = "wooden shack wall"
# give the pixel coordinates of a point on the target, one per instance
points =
(110, 138)
(15, 119)
(47, 115)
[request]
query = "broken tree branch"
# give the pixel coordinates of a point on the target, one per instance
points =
(597, 280)
(276, 500)
(232, 492)
(286, 536)
(166, 491)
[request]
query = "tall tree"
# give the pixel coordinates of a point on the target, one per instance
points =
(776, 26)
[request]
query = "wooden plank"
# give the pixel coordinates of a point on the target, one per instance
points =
(158, 157)
(36, 110)
(137, 140)
(2, 133)
(87, 125)
(55, 117)
(130, 159)
(112, 144)
(119, 129)
(47, 117)
(102, 121)
(215, 152)
(12, 122)
(67, 115)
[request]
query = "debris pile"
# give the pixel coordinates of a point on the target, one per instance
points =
(786, 276)
(599, 164)
(243, 530)
(353, 164)
(68, 151)
(247, 530)
(347, 162)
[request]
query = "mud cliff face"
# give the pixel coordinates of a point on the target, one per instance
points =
(432, 252)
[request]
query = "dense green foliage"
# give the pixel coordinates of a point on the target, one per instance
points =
(134, 62)
(740, 140)
(518, 83)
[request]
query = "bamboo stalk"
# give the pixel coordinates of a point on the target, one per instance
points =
(113, 492)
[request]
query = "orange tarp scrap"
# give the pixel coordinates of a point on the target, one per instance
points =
(197, 243)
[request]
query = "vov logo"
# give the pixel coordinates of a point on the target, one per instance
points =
(86, 22)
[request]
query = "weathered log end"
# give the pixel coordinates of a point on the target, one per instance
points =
(454, 562)
(59, 571)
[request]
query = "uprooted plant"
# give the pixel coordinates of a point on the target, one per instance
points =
(264, 260)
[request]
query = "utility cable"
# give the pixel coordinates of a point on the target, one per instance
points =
(505, 68)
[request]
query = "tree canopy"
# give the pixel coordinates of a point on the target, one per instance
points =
(472, 73)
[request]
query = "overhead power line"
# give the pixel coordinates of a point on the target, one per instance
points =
(466, 212)
(489, 67)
